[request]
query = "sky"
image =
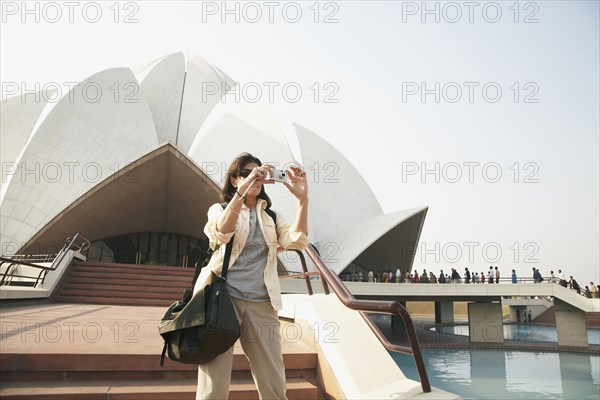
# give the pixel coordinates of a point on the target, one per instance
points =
(487, 112)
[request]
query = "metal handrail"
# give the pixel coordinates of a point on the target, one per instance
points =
(34, 257)
(70, 244)
(329, 278)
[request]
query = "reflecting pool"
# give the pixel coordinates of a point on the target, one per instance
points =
(499, 374)
(520, 332)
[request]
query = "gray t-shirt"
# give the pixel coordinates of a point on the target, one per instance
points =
(245, 278)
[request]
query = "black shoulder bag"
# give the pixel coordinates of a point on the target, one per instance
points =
(199, 329)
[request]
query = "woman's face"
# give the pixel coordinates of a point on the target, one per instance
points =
(254, 190)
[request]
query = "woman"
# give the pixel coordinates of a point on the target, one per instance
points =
(432, 277)
(252, 281)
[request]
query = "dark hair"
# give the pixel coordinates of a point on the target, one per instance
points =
(235, 169)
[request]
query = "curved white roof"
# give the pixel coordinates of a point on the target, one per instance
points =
(162, 87)
(204, 87)
(70, 146)
(400, 231)
(340, 197)
(19, 115)
(235, 127)
(86, 138)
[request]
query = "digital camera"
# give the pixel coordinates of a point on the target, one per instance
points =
(279, 175)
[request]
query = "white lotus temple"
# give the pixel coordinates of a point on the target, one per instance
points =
(133, 158)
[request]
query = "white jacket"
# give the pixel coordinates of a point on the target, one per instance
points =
(283, 236)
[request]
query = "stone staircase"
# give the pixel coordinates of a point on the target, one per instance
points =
(124, 284)
(134, 377)
(98, 339)
(547, 317)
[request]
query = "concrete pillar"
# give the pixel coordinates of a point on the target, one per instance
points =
(444, 312)
(570, 325)
(485, 323)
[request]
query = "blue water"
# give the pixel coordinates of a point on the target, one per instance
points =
(499, 374)
(520, 332)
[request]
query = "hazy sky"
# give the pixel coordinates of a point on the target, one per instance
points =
(502, 98)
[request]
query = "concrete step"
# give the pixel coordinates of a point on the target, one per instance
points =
(151, 293)
(174, 271)
(64, 366)
(134, 390)
(110, 280)
(132, 277)
(101, 286)
(115, 301)
(106, 366)
(136, 267)
(124, 284)
(134, 376)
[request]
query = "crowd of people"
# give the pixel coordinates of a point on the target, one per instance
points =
(491, 277)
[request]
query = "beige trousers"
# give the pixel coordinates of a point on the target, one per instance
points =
(261, 340)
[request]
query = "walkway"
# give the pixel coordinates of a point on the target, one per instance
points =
(453, 292)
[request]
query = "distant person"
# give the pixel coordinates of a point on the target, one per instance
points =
(432, 278)
(482, 279)
(513, 277)
(407, 277)
(573, 285)
(552, 277)
(491, 275)
(442, 278)
(455, 276)
(529, 316)
(360, 276)
(594, 290)
(587, 292)
(562, 280)
(370, 276)
(467, 276)
(539, 276)
(398, 275)
(424, 277)
(497, 275)
(416, 277)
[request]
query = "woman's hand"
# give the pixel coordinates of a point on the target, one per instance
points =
(258, 176)
(297, 184)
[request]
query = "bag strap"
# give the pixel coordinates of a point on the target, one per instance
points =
(228, 248)
(201, 263)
